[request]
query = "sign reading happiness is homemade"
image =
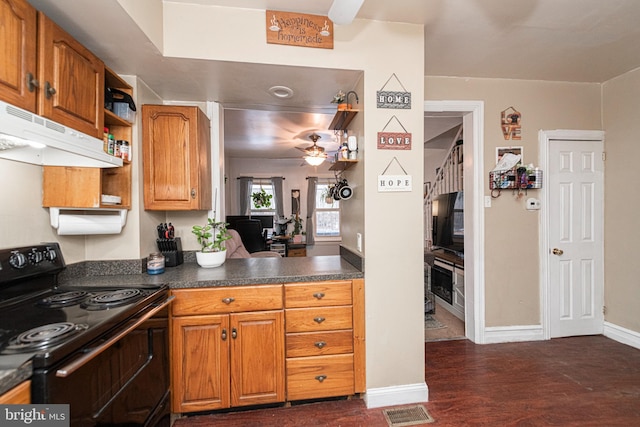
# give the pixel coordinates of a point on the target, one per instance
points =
(299, 29)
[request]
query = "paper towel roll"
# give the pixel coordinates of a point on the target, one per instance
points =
(78, 224)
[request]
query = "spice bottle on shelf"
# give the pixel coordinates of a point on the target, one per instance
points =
(117, 149)
(105, 139)
(125, 151)
(112, 144)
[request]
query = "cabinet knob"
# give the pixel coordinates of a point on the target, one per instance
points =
(32, 82)
(320, 344)
(228, 300)
(224, 334)
(49, 90)
(319, 319)
(318, 295)
(321, 378)
(234, 333)
(193, 193)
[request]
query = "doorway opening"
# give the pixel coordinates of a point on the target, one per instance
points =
(471, 280)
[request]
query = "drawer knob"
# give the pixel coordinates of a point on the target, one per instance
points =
(228, 300)
(234, 333)
(320, 344)
(224, 334)
(319, 319)
(321, 378)
(318, 295)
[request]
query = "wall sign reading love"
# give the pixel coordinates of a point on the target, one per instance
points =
(394, 140)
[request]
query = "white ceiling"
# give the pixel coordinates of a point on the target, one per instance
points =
(559, 40)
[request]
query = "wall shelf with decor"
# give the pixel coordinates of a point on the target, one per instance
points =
(342, 119)
(342, 164)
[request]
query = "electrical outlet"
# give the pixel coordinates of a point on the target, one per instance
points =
(359, 242)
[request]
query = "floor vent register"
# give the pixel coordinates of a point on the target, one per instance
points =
(408, 416)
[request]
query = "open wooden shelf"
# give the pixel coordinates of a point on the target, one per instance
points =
(342, 164)
(342, 119)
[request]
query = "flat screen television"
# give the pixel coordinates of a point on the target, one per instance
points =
(267, 220)
(448, 222)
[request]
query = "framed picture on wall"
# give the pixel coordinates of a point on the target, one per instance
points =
(295, 202)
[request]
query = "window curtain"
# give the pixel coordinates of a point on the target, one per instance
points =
(246, 182)
(311, 208)
(276, 181)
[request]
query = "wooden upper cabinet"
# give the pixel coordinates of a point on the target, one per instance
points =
(176, 152)
(46, 71)
(18, 59)
(71, 80)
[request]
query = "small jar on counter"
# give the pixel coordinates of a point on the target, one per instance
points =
(155, 263)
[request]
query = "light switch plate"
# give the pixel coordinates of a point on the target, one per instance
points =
(533, 204)
(359, 242)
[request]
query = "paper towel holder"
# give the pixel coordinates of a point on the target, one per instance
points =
(95, 221)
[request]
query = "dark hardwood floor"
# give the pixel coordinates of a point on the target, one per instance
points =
(580, 381)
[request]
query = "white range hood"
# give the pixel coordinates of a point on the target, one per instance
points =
(29, 138)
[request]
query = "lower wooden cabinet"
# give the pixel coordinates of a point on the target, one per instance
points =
(252, 345)
(19, 395)
(324, 339)
(226, 360)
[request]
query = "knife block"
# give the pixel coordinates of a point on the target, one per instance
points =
(172, 251)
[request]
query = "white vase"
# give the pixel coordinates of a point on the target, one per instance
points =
(211, 259)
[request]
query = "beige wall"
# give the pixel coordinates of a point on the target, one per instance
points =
(394, 278)
(621, 106)
(511, 232)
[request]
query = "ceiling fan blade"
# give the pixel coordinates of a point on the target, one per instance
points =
(344, 11)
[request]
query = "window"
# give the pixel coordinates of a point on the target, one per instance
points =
(258, 186)
(327, 221)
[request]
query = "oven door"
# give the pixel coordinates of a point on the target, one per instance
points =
(121, 380)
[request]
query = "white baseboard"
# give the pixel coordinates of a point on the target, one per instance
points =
(623, 335)
(500, 334)
(397, 395)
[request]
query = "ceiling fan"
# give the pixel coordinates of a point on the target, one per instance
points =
(314, 155)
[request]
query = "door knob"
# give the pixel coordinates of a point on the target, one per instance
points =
(557, 251)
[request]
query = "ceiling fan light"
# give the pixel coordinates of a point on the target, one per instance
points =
(314, 161)
(344, 11)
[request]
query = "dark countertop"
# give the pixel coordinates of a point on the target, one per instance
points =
(11, 377)
(234, 272)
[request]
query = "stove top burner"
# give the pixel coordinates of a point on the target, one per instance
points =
(42, 337)
(63, 299)
(110, 299)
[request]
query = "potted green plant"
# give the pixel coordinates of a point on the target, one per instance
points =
(341, 99)
(211, 238)
(296, 235)
(261, 199)
(327, 195)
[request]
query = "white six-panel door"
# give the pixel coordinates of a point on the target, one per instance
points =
(575, 237)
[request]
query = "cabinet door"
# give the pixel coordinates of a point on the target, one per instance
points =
(18, 59)
(176, 158)
(71, 80)
(257, 358)
(200, 363)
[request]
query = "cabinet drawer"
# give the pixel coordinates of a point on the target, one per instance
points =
(319, 343)
(323, 376)
(299, 252)
(226, 299)
(317, 294)
(318, 319)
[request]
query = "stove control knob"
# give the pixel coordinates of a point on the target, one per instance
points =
(17, 260)
(35, 256)
(50, 254)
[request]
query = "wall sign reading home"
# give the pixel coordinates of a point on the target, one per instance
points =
(299, 29)
(393, 99)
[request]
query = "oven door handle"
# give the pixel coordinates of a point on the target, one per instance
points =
(81, 361)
